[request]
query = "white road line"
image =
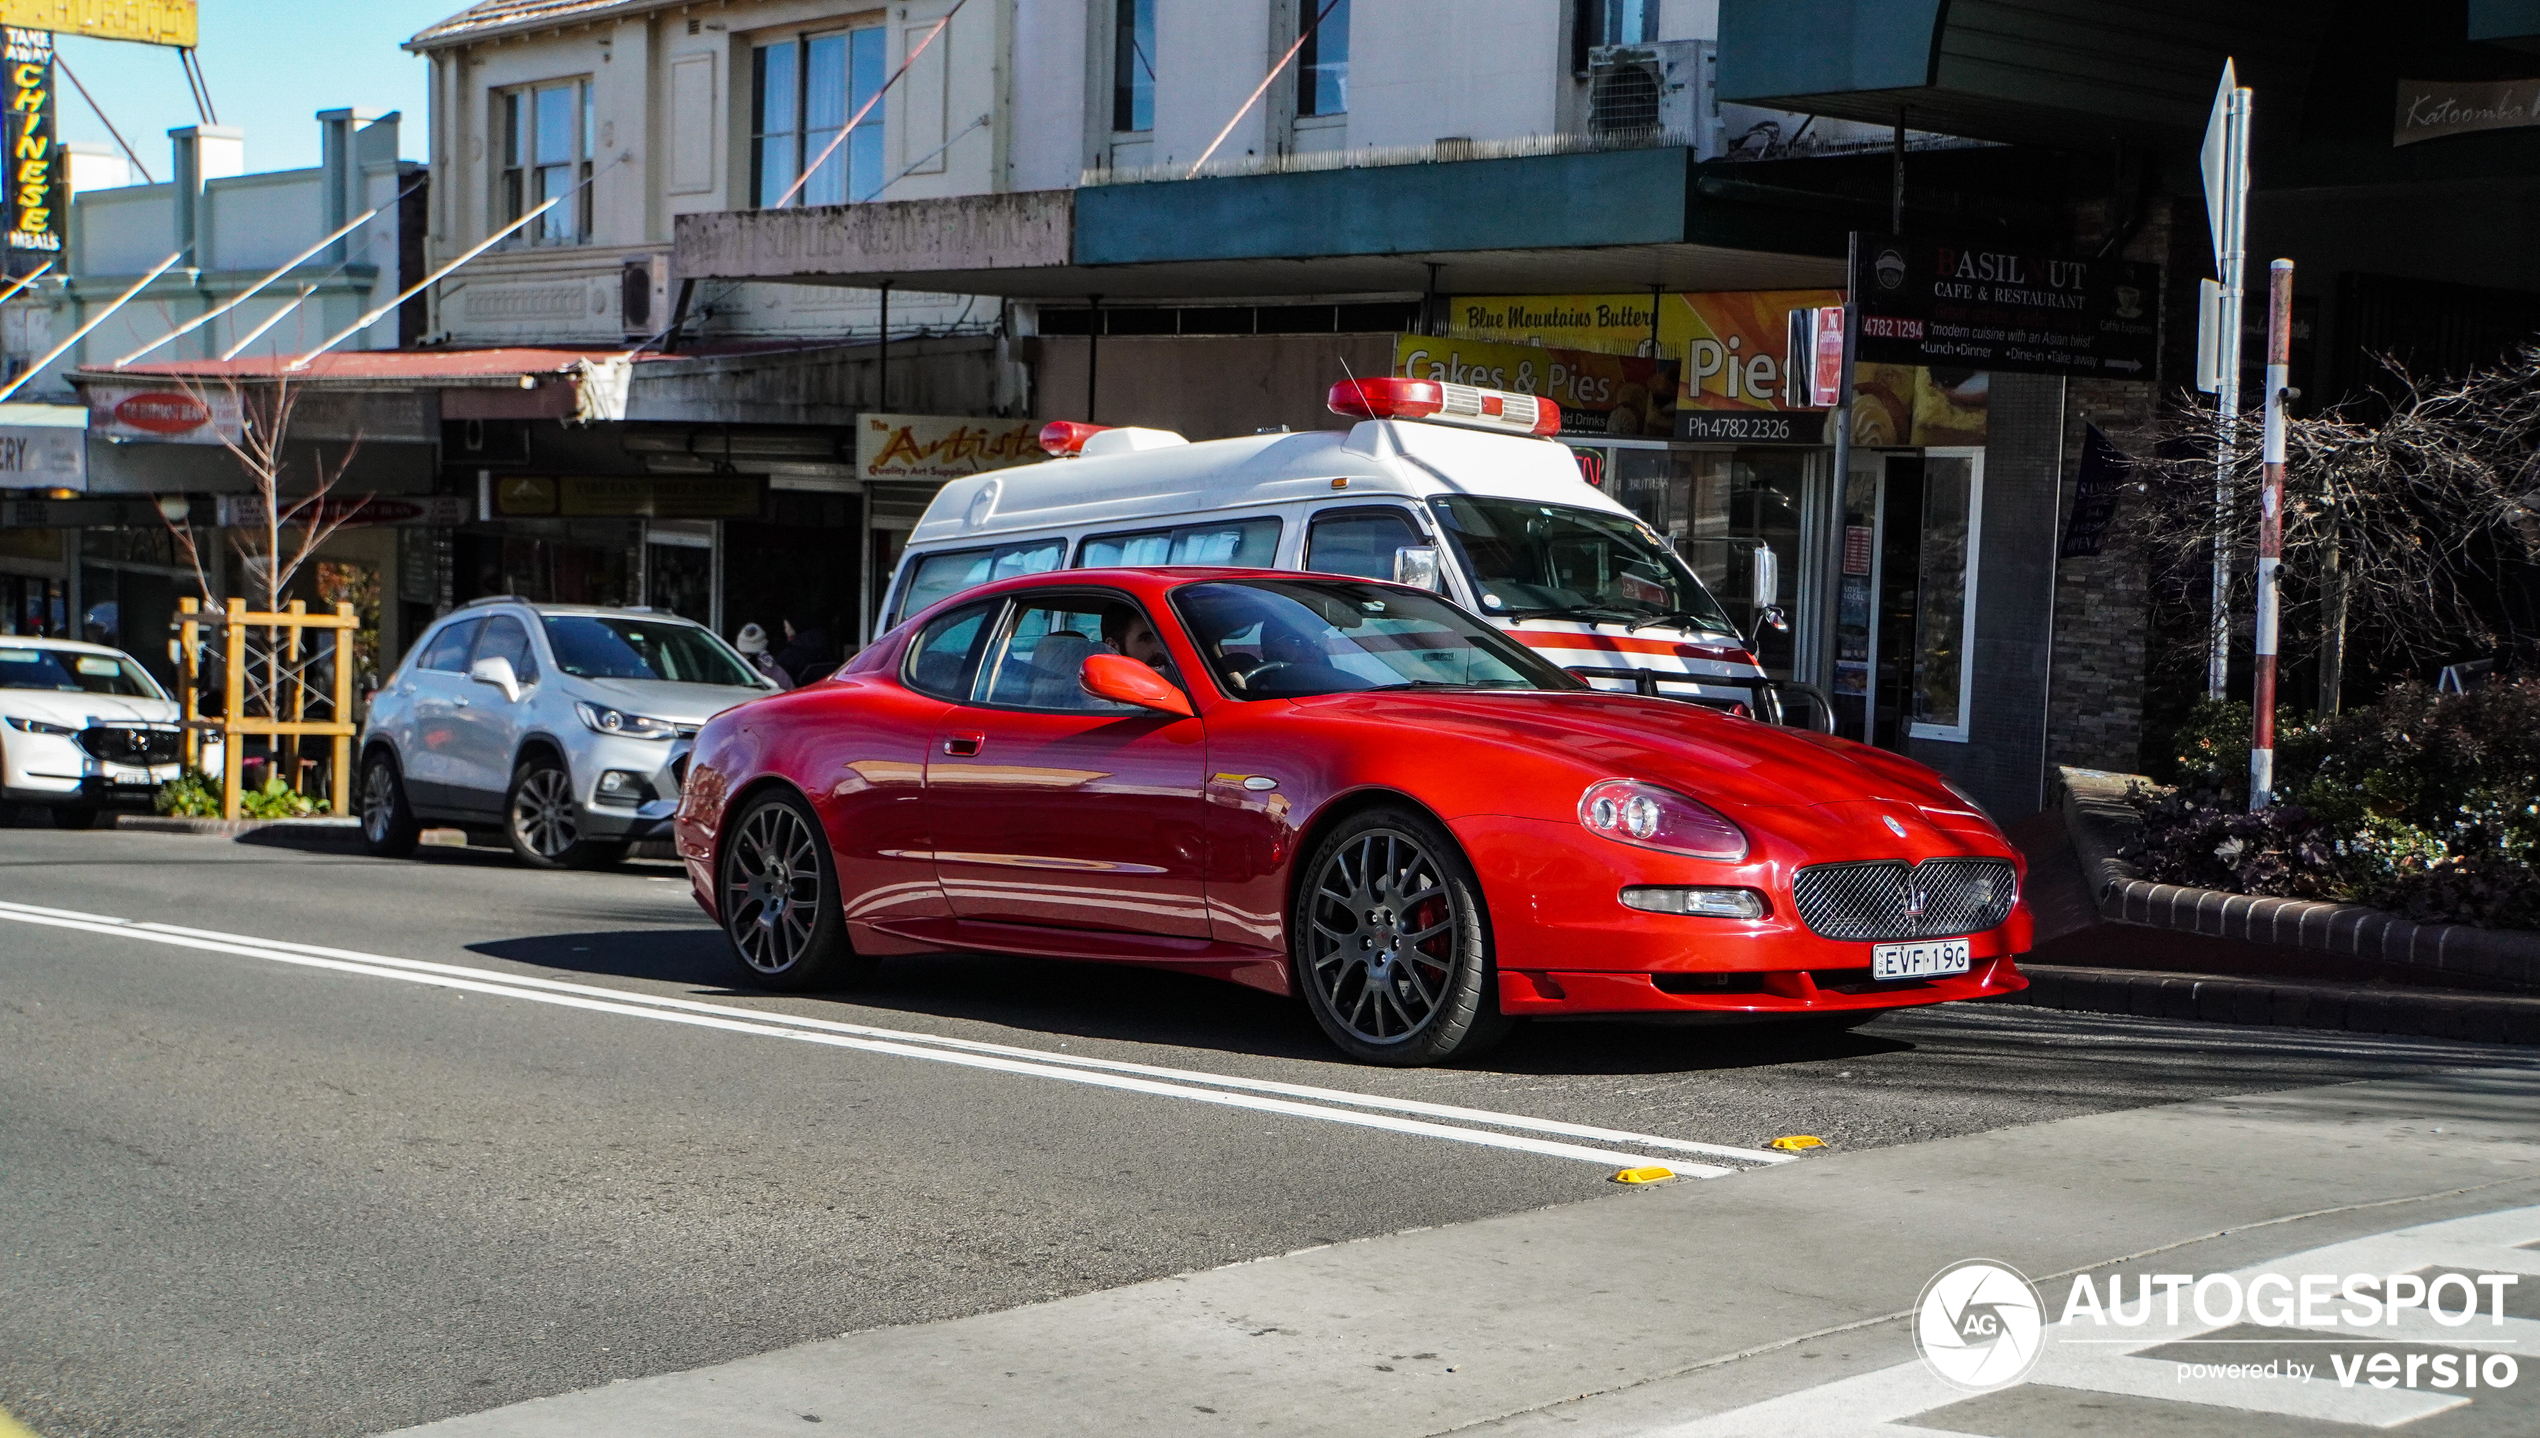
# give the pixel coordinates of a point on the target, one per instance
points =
(1226, 1091)
(1450, 1112)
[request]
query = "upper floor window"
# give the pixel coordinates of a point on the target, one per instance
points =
(547, 138)
(1322, 86)
(1133, 66)
(1620, 22)
(806, 89)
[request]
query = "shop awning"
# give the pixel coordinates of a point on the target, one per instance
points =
(1592, 221)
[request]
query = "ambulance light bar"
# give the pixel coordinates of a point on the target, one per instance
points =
(1445, 403)
(1065, 437)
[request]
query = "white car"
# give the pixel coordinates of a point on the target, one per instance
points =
(84, 729)
(566, 725)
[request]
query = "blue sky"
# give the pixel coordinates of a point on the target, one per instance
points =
(272, 64)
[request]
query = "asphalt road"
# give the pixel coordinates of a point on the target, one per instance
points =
(248, 1189)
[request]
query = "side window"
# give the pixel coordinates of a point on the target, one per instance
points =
(1359, 541)
(945, 655)
(1244, 543)
(1047, 646)
(448, 651)
(507, 639)
(941, 576)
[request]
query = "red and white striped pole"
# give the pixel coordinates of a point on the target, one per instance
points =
(2270, 534)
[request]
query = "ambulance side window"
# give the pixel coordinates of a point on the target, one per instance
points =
(1241, 543)
(1359, 541)
(940, 576)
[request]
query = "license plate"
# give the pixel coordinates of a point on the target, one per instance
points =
(1919, 961)
(129, 778)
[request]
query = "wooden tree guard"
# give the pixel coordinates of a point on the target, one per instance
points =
(235, 723)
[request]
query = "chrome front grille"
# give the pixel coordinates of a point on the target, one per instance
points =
(1937, 898)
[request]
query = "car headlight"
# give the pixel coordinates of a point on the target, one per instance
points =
(600, 719)
(1631, 812)
(38, 726)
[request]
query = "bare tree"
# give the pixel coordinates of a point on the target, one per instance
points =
(2405, 523)
(296, 514)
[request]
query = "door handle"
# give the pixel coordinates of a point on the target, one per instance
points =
(461, 703)
(963, 746)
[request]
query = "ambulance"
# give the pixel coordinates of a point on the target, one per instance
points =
(1453, 488)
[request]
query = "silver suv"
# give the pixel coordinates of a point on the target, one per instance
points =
(566, 724)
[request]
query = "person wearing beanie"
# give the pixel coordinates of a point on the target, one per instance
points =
(752, 642)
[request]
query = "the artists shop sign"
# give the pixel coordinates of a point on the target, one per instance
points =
(39, 182)
(1972, 306)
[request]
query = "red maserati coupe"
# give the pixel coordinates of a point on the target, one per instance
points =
(1336, 787)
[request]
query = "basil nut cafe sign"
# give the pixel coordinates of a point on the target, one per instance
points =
(1949, 305)
(1599, 394)
(39, 182)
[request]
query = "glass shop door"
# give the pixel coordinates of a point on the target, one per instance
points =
(1905, 606)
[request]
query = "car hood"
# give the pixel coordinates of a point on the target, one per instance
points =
(59, 706)
(662, 699)
(1716, 757)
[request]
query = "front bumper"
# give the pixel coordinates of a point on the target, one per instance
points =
(1566, 944)
(642, 810)
(51, 769)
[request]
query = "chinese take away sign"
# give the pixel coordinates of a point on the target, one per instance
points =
(39, 183)
(152, 22)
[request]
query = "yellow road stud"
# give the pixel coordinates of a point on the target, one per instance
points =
(1651, 1174)
(1797, 1141)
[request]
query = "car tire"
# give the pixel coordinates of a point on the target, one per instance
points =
(776, 886)
(1391, 942)
(389, 829)
(544, 824)
(77, 816)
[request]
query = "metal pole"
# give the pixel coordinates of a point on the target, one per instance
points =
(882, 389)
(1093, 350)
(99, 318)
(419, 286)
(2270, 535)
(249, 293)
(1830, 552)
(2227, 397)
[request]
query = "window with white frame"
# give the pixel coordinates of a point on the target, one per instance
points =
(546, 134)
(805, 90)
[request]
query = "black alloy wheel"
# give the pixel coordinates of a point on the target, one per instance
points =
(389, 829)
(777, 889)
(1391, 943)
(544, 823)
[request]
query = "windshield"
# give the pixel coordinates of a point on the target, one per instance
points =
(1286, 639)
(1553, 561)
(598, 646)
(77, 673)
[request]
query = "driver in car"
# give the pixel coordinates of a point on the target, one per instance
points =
(1128, 633)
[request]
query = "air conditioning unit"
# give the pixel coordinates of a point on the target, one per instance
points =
(1661, 90)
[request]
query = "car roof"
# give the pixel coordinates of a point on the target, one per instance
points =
(495, 602)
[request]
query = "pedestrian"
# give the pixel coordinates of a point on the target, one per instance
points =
(806, 655)
(752, 643)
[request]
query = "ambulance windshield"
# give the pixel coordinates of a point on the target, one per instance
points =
(1553, 561)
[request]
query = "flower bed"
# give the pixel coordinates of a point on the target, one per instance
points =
(2423, 804)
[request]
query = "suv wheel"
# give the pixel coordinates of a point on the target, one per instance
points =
(388, 822)
(545, 825)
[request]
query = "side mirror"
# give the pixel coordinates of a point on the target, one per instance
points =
(1123, 680)
(1416, 565)
(496, 671)
(1768, 577)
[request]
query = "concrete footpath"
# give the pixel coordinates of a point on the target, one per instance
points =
(1685, 1305)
